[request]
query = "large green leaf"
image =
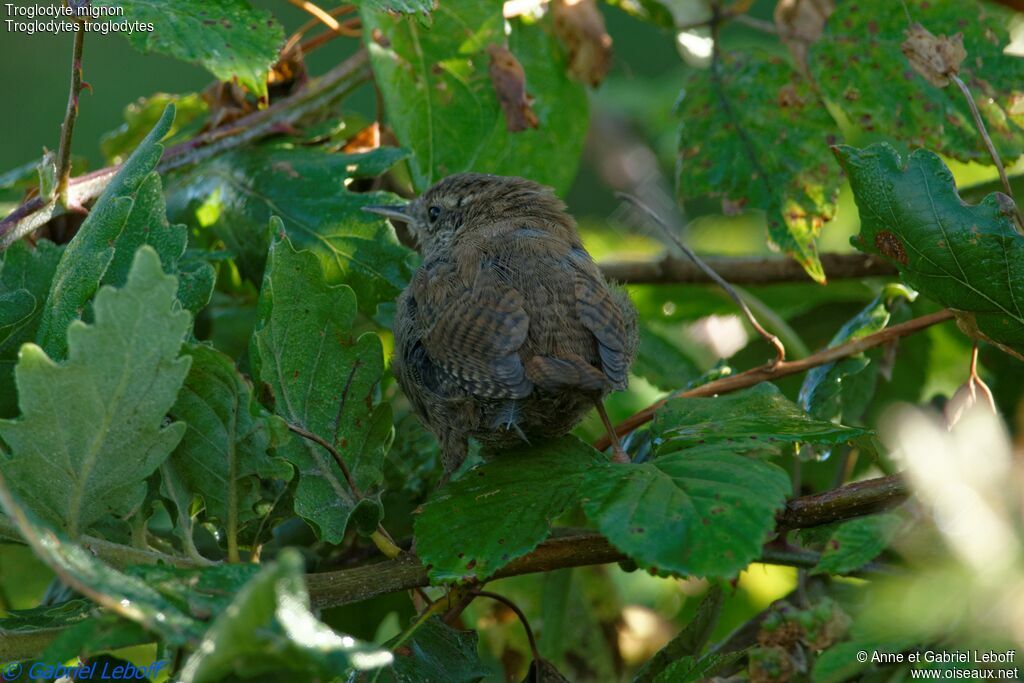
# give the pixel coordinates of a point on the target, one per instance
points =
(113, 590)
(703, 511)
(323, 381)
(436, 652)
(229, 38)
(860, 67)
(235, 194)
(128, 214)
(842, 390)
(269, 629)
(969, 258)
(702, 506)
(442, 105)
(500, 510)
(754, 132)
(91, 428)
(855, 543)
(750, 420)
(223, 456)
(25, 276)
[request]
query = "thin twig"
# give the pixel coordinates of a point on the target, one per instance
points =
(983, 132)
(522, 619)
(316, 95)
(325, 18)
(352, 28)
(976, 384)
(67, 129)
(780, 350)
(770, 371)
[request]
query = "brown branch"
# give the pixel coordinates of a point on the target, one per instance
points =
(316, 95)
(846, 502)
(766, 373)
(757, 270)
(578, 549)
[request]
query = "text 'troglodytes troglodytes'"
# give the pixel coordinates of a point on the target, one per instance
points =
(508, 331)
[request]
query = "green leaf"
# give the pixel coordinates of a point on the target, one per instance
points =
(661, 362)
(435, 652)
(441, 104)
(269, 629)
(500, 510)
(700, 512)
(140, 117)
(855, 543)
(235, 194)
(842, 390)
(223, 456)
(754, 132)
(104, 632)
(860, 50)
(750, 420)
(324, 381)
(229, 38)
(697, 669)
(128, 214)
(204, 592)
(111, 589)
(25, 276)
(73, 467)
(969, 258)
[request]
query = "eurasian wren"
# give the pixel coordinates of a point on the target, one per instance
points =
(508, 332)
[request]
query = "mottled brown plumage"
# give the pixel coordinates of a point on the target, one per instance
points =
(508, 331)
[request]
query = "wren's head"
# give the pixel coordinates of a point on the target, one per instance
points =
(467, 203)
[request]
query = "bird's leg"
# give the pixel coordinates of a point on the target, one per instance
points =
(618, 455)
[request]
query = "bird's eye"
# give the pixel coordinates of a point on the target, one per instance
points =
(433, 212)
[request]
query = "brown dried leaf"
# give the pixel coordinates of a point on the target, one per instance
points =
(227, 102)
(800, 23)
(580, 27)
(366, 140)
(509, 82)
(936, 58)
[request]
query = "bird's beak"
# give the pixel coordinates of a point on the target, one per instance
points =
(395, 211)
